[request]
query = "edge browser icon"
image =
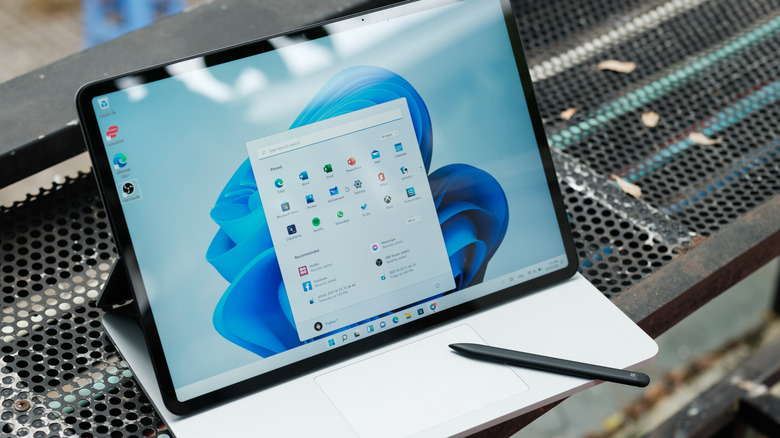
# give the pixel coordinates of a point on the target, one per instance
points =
(120, 161)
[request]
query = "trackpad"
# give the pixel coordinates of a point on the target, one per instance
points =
(417, 386)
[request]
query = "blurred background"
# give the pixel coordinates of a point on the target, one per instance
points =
(34, 33)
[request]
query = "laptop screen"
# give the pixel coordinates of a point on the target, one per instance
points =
(288, 201)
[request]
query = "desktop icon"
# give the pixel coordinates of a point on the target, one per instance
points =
(404, 170)
(285, 206)
(120, 161)
(395, 320)
(363, 207)
(388, 199)
(311, 300)
(399, 147)
(303, 270)
(315, 222)
(128, 189)
(374, 247)
(358, 184)
(408, 315)
(381, 176)
(334, 191)
(374, 154)
(309, 199)
(340, 214)
(351, 161)
(383, 278)
(102, 103)
(382, 324)
(410, 192)
(331, 342)
(303, 176)
(291, 229)
(369, 329)
(379, 262)
(111, 132)
(307, 286)
(420, 311)
(327, 168)
(278, 183)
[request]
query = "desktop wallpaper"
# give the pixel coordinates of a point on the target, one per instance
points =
(184, 138)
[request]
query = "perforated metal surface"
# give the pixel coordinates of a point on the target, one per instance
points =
(703, 66)
(709, 67)
(60, 374)
(706, 67)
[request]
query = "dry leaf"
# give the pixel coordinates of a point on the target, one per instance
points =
(651, 119)
(569, 113)
(618, 66)
(699, 138)
(627, 187)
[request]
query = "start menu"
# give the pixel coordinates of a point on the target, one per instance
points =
(351, 217)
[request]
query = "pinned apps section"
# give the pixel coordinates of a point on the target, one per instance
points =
(345, 245)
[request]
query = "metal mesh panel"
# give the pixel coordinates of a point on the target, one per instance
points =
(704, 66)
(60, 374)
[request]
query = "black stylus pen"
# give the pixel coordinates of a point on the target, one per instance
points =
(551, 364)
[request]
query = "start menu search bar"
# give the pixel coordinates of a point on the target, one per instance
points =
(276, 147)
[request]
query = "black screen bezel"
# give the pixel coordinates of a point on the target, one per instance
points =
(103, 173)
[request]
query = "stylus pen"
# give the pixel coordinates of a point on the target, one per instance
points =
(551, 364)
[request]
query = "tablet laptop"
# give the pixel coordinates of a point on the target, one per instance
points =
(291, 202)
